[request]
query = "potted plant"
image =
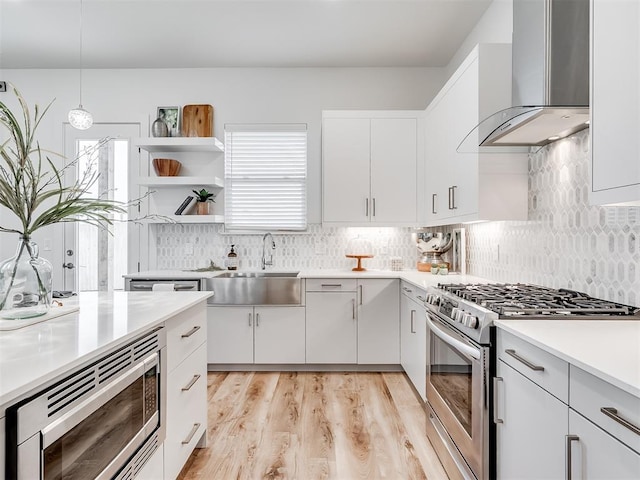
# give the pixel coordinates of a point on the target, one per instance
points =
(32, 188)
(202, 201)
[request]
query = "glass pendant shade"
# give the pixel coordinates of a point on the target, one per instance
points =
(79, 118)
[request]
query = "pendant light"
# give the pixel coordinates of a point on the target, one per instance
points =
(78, 117)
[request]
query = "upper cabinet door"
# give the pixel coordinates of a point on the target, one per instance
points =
(615, 101)
(345, 169)
(393, 170)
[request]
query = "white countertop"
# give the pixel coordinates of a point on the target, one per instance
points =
(37, 354)
(172, 274)
(608, 349)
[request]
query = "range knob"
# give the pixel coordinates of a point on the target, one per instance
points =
(433, 299)
(470, 321)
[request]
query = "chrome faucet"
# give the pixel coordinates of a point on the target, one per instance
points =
(264, 261)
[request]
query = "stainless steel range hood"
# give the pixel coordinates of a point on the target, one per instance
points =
(550, 81)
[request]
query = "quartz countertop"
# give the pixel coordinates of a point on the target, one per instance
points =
(34, 355)
(608, 349)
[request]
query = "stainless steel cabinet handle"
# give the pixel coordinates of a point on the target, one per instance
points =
(408, 290)
(496, 420)
(257, 319)
(141, 287)
(184, 287)
(191, 332)
(421, 298)
(374, 207)
(413, 319)
(353, 308)
(332, 285)
(613, 414)
(193, 431)
(532, 366)
(249, 319)
(191, 383)
(434, 197)
(453, 197)
(366, 207)
(360, 286)
(569, 439)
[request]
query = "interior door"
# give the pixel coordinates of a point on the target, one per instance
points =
(96, 258)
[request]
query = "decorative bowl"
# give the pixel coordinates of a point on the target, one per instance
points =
(166, 167)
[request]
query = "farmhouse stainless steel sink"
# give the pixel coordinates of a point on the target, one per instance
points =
(255, 288)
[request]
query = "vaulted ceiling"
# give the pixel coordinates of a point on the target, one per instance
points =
(234, 33)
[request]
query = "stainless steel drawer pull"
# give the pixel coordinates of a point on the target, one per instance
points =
(141, 287)
(191, 332)
(257, 319)
(191, 383)
(374, 207)
(184, 287)
(421, 298)
(353, 308)
(532, 366)
(413, 319)
(613, 414)
(408, 290)
(569, 439)
(331, 285)
(360, 294)
(433, 203)
(496, 420)
(366, 207)
(193, 431)
(249, 319)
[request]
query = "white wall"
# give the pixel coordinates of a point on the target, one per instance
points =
(495, 26)
(238, 95)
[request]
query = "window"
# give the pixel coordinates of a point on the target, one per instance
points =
(265, 177)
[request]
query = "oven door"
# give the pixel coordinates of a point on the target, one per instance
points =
(456, 391)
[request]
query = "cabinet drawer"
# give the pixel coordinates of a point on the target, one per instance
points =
(331, 284)
(541, 367)
(588, 394)
(414, 293)
(185, 332)
(186, 410)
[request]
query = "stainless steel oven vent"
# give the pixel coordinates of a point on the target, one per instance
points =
(87, 379)
(140, 459)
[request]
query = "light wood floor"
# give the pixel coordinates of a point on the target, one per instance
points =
(307, 426)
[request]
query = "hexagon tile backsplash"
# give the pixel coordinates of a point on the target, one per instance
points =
(566, 243)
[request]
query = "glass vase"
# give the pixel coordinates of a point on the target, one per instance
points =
(25, 283)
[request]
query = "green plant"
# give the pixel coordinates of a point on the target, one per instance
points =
(204, 196)
(32, 187)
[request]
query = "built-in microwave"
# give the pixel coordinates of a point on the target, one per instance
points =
(103, 421)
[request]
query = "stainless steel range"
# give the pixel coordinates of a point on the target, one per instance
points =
(461, 362)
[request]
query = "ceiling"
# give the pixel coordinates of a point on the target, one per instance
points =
(234, 33)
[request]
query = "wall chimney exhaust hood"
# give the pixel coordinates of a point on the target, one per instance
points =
(550, 78)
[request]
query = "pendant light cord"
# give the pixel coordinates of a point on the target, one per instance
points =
(81, 53)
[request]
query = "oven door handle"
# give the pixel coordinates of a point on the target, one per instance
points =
(454, 342)
(66, 422)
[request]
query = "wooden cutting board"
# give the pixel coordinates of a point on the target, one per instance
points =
(197, 121)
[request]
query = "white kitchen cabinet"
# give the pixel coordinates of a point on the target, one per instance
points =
(230, 334)
(472, 185)
(332, 327)
(548, 418)
(379, 321)
(615, 102)
(202, 167)
(596, 455)
(370, 168)
(2, 445)
(413, 337)
(186, 404)
(531, 430)
(261, 335)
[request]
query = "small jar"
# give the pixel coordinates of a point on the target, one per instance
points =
(443, 269)
(434, 269)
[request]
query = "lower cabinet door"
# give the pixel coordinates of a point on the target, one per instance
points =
(230, 334)
(279, 335)
(378, 321)
(531, 439)
(413, 350)
(597, 455)
(332, 327)
(186, 410)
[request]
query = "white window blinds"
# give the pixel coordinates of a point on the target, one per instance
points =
(265, 177)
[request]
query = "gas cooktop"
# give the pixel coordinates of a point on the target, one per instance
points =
(522, 300)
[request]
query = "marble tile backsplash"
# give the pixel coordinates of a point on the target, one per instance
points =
(566, 243)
